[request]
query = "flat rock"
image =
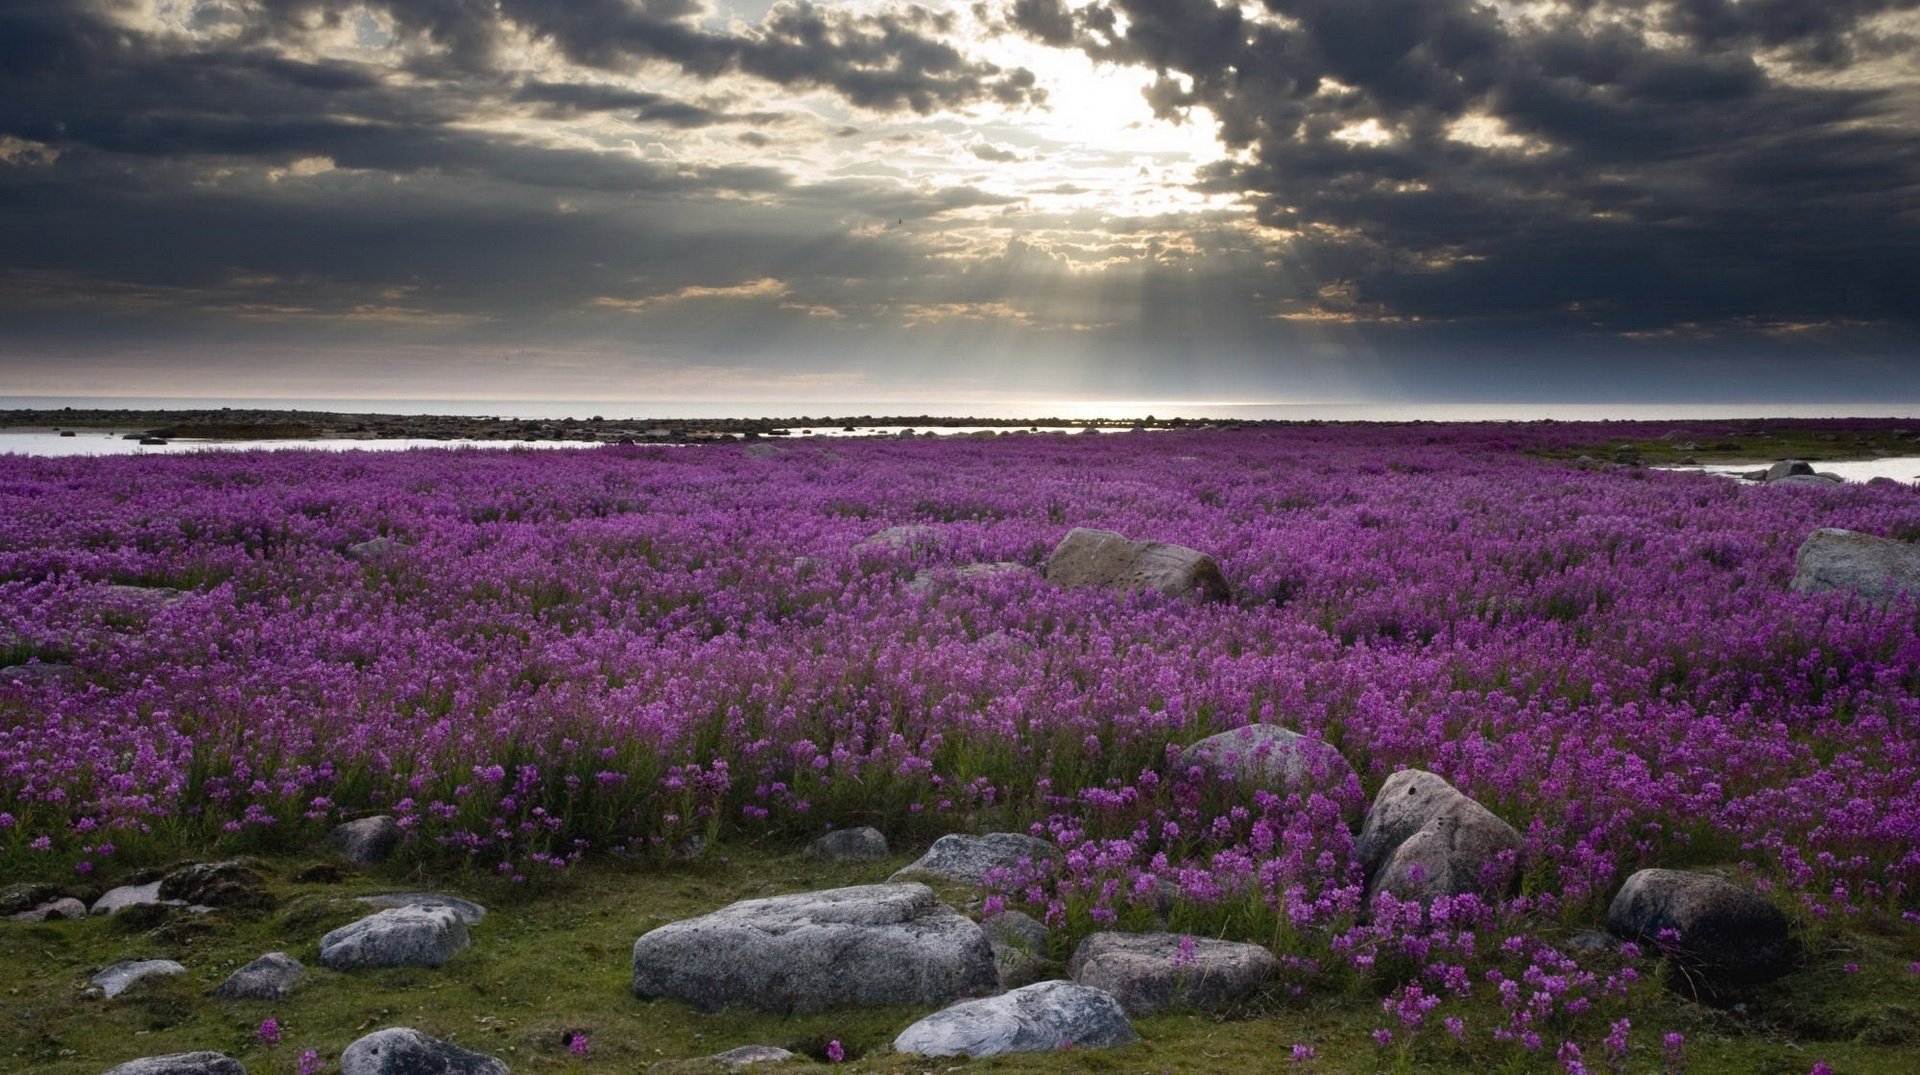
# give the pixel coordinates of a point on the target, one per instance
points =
(39, 672)
(124, 975)
(933, 580)
(64, 907)
(967, 859)
(1423, 839)
(893, 944)
(1103, 558)
(864, 844)
(368, 841)
(200, 1063)
(405, 1051)
(119, 899)
(1729, 934)
(215, 884)
(372, 551)
(27, 895)
(1037, 1018)
(1269, 756)
(1878, 569)
(399, 937)
(467, 911)
(910, 538)
(1152, 972)
(748, 1055)
(271, 977)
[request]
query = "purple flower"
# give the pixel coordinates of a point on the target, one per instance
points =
(269, 1032)
(835, 1051)
(308, 1064)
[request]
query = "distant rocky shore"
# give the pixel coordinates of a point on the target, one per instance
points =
(235, 424)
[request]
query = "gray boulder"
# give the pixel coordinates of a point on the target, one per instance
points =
(1423, 839)
(371, 552)
(1728, 934)
(864, 844)
(201, 1063)
(1103, 558)
(64, 907)
(1787, 468)
(967, 860)
(126, 974)
(1037, 1018)
(400, 937)
(271, 977)
(405, 1051)
(467, 911)
(868, 944)
(119, 899)
(1876, 568)
(749, 1055)
(1269, 756)
(1152, 972)
(368, 841)
(1020, 944)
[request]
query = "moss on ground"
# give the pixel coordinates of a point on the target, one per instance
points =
(552, 962)
(1758, 444)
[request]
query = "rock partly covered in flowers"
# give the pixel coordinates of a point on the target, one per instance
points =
(405, 1051)
(122, 976)
(1724, 932)
(1272, 757)
(933, 579)
(367, 841)
(1087, 557)
(39, 672)
(893, 944)
(967, 859)
(200, 1063)
(466, 911)
(1876, 568)
(271, 977)
(864, 844)
(400, 937)
(1019, 943)
(1152, 972)
(911, 538)
(372, 551)
(1037, 1018)
(1424, 839)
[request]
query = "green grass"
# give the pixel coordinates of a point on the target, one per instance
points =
(1758, 444)
(555, 960)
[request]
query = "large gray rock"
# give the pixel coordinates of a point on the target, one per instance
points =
(271, 977)
(1038, 1018)
(1103, 558)
(1152, 972)
(405, 1051)
(869, 944)
(1728, 934)
(1787, 468)
(1423, 839)
(1876, 568)
(864, 844)
(201, 1063)
(400, 937)
(119, 899)
(64, 907)
(368, 841)
(967, 859)
(126, 974)
(467, 911)
(1269, 756)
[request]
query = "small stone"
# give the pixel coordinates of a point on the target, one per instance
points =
(400, 937)
(271, 977)
(119, 899)
(372, 551)
(26, 896)
(967, 860)
(864, 844)
(368, 841)
(1037, 1018)
(64, 907)
(912, 538)
(200, 1063)
(468, 911)
(122, 976)
(406, 1051)
(747, 1055)
(39, 672)
(1152, 972)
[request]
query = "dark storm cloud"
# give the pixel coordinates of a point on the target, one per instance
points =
(1621, 182)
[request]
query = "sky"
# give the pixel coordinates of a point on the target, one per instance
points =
(1260, 200)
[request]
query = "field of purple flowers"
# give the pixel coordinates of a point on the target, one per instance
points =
(615, 650)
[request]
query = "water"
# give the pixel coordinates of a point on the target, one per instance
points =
(1073, 410)
(1902, 468)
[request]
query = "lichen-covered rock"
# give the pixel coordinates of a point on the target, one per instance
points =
(64, 907)
(122, 976)
(749, 1055)
(967, 859)
(216, 884)
(1019, 943)
(1152, 972)
(271, 977)
(368, 841)
(200, 1063)
(864, 844)
(1878, 569)
(25, 896)
(887, 944)
(1726, 933)
(1037, 1018)
(405, 1051)
(1269, 756)
(400, 937)
(1423, 839)
(467, 911)
(119, 899)
(1087, 557)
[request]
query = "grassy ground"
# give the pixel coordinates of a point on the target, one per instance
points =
(1759, 444)
(550, 963)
